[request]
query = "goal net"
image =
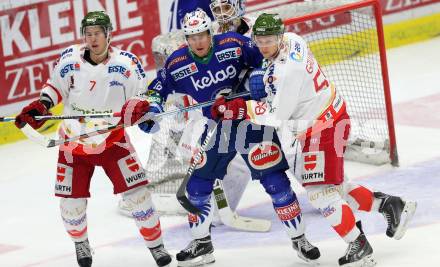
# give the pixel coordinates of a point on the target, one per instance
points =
(348, 43)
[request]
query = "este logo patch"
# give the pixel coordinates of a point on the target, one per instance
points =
(119, 69)
(227, 54)
(68, 68)
(184, 71)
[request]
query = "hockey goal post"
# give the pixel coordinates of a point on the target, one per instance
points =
(347, 39)
(348, 42)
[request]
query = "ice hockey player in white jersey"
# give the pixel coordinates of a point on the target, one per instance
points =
(94, 78)
(302, 101)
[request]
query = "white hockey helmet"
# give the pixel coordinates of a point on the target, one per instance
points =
(227, 10)
(196, 21)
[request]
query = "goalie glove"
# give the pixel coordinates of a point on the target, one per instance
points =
(27, 115)
(235, 109)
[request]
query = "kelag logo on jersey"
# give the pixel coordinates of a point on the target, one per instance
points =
(69, 67)
(184, 71)
(120, 69)
(229, 73)
(230, 53)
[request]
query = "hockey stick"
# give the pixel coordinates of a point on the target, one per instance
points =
(231, 218)
(48, 142)
(118, 114)
(181, 192)
(69, 117)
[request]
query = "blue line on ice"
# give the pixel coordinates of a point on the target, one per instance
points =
(420, 182)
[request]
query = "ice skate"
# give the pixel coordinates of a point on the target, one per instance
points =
(161, 255)
(306, 251)
(83, 253)
(359, 252)
(197, 253)
(397, 212)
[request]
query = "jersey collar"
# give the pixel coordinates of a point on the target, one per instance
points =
(205, 59)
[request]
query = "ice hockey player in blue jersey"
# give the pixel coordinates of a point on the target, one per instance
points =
(207, 69)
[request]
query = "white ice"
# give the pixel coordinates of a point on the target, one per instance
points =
(32, 234)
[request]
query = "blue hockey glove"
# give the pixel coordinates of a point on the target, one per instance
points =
(256, 84)
(151, 126)
(155, 101)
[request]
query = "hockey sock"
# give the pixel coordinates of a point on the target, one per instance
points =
(285, 203)
(145, 215)
(200, 223)
(73, 214)
(287, 208)
(327, 199)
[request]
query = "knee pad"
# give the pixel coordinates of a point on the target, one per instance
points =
(277, 185)
(144, 214)
(199, 190)
(137, 199)
(137, 195)
(73, 207)
(321, 196)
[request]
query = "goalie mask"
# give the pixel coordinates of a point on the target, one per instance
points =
(225, 11)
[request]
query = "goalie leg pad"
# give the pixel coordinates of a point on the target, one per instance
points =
(73, 214)
(285, 202)
(199, 193)
(145, 215)
(235, 181)
(327, 199)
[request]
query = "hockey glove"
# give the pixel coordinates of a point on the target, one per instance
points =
(256, 84)
(133, 110)
(151, 126)
(27, 115)
(235, 109)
